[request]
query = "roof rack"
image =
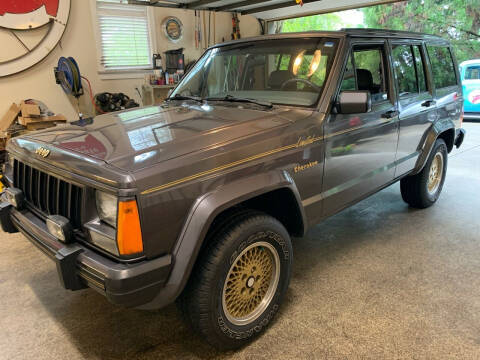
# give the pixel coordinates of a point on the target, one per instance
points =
(387, 32)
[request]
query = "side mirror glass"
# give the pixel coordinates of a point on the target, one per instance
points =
(354, 102)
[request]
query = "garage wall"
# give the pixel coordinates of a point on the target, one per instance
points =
(79, 42)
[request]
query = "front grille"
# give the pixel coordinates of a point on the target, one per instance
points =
(48, 194)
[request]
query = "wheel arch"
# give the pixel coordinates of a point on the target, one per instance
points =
(444, 131)
(252, 192)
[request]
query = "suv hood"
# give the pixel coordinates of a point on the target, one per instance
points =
(134, 139)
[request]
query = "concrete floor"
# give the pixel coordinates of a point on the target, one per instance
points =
(379, 280)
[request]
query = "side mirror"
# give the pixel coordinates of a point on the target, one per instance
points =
(354, 102)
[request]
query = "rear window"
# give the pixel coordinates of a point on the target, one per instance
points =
(404, 65)
(442, 66)
(409, 69)
(472, 72)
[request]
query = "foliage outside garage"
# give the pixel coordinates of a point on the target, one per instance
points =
(455, 20)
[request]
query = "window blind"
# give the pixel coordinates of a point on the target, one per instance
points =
(124, 35)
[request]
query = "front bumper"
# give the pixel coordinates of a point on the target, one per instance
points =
(78, 266)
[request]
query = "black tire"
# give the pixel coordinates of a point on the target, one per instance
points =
(415, 188)
(233, 238)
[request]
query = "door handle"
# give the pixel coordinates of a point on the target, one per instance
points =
(390, 114)
(428, 103)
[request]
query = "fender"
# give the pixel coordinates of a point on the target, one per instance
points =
(201, 216)
(430, 137)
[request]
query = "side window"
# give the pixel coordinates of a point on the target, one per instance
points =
(472, 72)
(442, 66)
(403, 63)
(348, 82)
(366, 71)
(420, 66)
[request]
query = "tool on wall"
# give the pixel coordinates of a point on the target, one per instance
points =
(196, 30)
(209, 26)
(199, 27)
(204, 30)
(235, 27)
(68, 76)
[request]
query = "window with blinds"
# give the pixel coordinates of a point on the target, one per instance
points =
(124, 34)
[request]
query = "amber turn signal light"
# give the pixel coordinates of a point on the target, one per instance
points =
(129, 233)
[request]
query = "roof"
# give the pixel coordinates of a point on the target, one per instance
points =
(470, 62)
(343, 33)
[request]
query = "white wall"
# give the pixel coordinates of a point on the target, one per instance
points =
(78, 41)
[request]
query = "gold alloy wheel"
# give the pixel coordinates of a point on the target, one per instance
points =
(435, 174)
(251, 283)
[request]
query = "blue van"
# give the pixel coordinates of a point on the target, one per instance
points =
(470, 75)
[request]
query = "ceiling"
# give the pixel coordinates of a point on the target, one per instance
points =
(267, 10)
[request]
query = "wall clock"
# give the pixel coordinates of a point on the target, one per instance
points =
(173, 29)
(30, 30)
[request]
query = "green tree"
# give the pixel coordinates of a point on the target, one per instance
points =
(456, 20)
(327, 22)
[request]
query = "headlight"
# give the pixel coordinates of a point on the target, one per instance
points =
(107, 207)
(10, 160)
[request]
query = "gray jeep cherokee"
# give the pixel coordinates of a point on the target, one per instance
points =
(196, 200)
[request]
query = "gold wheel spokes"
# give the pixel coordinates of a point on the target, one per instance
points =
(251, 283)
(435, 173)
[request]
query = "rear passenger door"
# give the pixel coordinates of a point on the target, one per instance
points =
(448, 91)
(416, 102)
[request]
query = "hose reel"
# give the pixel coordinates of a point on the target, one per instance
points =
(67, 75)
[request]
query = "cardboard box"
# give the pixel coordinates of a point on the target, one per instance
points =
(25, 120)
(30, 110)
(40, 125)
(9, 117)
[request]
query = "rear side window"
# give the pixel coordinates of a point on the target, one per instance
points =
(472, 72)
(409, 69)
(420, 66)
(404, 65)
(442, 66)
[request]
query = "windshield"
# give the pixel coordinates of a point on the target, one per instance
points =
(472, 73)
(283, 71)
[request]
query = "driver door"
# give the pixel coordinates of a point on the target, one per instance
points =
(360, 149)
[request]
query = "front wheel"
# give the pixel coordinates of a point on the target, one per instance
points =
(239, 281)
(423, 189)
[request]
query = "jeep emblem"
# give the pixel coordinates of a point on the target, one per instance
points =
(42, 152)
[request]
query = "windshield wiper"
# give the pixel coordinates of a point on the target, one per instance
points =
(185, 97)
(232, 98)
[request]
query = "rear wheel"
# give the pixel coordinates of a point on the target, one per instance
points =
(423, 189)
(239, 280)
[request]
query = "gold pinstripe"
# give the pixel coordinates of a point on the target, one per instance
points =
(300, 143)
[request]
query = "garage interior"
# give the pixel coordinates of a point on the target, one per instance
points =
(378, 280)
